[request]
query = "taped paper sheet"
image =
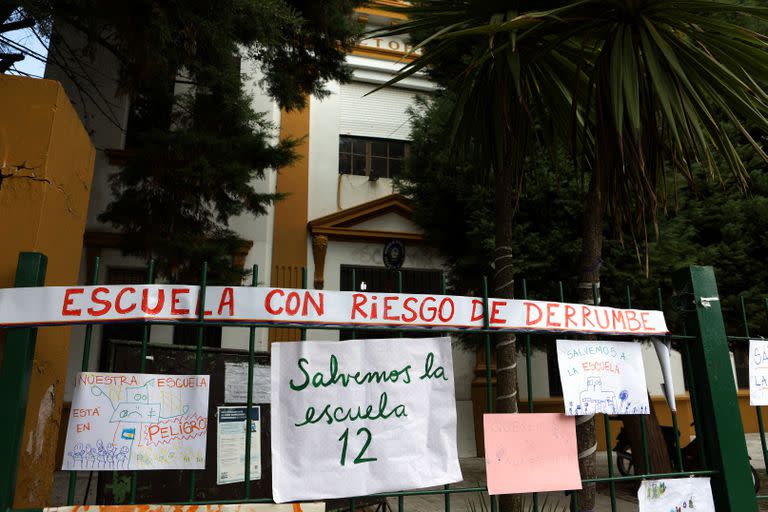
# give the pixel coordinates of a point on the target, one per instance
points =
(236, 383)
(758, 372)
(676, 494)
(359, 417)
(602, 377)
(123, 421)
(230, 444)
(530, 453)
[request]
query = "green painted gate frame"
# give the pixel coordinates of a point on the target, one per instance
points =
(719, 418)
(15, 374)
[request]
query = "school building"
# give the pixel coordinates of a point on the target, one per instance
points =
(341, 214)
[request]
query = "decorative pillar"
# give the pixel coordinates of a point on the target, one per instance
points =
(319, 248)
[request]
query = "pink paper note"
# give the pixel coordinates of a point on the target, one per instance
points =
(530, 453)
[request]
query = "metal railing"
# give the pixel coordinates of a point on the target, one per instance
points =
(726, 494)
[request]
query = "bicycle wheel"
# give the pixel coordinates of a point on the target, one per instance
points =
(624, 461)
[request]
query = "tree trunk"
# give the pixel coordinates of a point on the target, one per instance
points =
(503, 288)
(589, 282)
(658, 454)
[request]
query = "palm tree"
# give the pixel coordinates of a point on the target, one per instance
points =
(665, 77)
(504, 84)
(661, 76)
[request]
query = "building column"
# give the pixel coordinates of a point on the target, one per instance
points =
(289, 241)
(319, 248)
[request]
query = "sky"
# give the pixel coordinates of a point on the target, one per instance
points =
(30, 64)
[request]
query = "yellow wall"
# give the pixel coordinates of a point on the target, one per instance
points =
(48, 158)
(289, 243)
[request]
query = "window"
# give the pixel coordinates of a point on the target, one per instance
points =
(375, 158)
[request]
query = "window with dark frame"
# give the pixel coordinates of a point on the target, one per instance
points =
(379, 158)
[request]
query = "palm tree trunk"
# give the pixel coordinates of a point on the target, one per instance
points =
(589, 283)
(503, 281)
(511, 134)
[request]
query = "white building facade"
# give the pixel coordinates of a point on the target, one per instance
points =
(341, 211)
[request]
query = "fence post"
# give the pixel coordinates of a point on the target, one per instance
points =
(719, 417)
(14, 381)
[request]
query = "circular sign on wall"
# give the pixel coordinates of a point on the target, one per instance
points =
(394, 254)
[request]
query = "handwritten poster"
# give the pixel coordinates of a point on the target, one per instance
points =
(125, 421)
(602, 377)
(758, 372)
(530, 453)
(362, 416)
(230, 444)
(155, 302)
(236, 383)
(676, 494)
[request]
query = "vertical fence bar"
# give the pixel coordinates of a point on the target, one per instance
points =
(352, 332)
(721, 418)
(529, 381)
(15, 374)
(145, 333)
(675, 426)
(199, 353)
(71, 491)
(609, 455)
(700, 435)
(574, 494)
(249, 394)
(643, 418)
(353, 335)
(446, 496)
(488, 374)
(303, 330)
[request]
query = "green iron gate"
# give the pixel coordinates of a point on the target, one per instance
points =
(704, 350)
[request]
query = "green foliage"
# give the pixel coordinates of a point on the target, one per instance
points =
(179, 188)
(300, 43)
(195, 145)
(456, 209)
(715, 223)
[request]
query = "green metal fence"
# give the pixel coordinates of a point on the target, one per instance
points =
(703, 346)
(759, 411)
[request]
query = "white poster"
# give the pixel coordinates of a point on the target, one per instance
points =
(236, 383)
(602, 377)
(125, 421)
(359, 417)
(758, 372)
(230, 444)
(676, 494)
(153, 302)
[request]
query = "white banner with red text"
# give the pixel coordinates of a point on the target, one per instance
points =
(161, 303)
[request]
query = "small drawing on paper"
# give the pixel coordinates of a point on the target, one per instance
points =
(160, 423)
(594, 397)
